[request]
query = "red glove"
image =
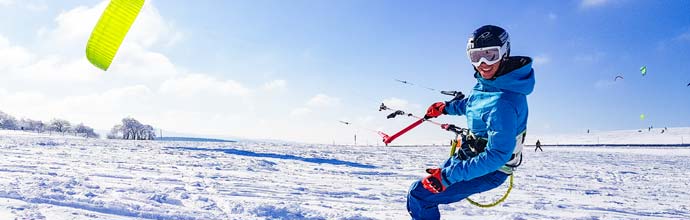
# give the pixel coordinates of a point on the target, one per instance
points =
(434, 182)
(435, 110)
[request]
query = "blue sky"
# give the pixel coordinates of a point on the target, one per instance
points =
(290, 69)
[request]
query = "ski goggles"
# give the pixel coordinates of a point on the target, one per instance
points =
(488, 55)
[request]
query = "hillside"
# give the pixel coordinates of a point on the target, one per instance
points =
(678, 135)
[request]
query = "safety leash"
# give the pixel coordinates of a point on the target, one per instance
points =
(461, 132)
(505, 196)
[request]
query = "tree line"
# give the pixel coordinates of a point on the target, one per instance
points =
(129, 129)
(9, 122)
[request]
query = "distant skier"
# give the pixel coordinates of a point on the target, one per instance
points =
(496, 112)
(538, 146)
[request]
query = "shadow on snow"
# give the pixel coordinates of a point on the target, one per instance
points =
(280, 156)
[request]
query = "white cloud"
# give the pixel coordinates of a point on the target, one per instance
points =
(100, 110)
(199, 84)
(552, 16)
(302, 111)
(55, 80)
(274, 85)
(49, 78)
(322, 100)
(12, 56)
(74, 27)
(6, 2)
(396, 103)
(150, 28)
(37, 7)
(318, 101)
(541, 60)
(31, 6)
(593, 3)
(56, 62)
(684, 36)
(135, 62)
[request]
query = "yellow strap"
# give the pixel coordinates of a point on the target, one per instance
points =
(510, 187)
(454, 144)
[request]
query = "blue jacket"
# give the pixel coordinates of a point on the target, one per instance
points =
(496, 110)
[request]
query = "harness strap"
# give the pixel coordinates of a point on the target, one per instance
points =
(505, 196)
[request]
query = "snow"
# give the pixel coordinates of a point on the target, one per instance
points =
(642, 136)
(46, 176)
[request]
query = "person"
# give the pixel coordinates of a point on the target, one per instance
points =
(496, 112)
(538, 146)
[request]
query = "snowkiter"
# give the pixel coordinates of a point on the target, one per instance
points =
(538, 146)
(496, 112)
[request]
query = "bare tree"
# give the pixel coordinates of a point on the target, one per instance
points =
(31, 125)
(7, 121)
(59, 125)
(115, 132)
(85, 130)
(147, 132)
(131, 129)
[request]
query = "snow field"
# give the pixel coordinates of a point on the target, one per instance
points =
(56, 177)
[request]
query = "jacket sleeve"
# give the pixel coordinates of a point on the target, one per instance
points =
(456, 107)
(502, 130)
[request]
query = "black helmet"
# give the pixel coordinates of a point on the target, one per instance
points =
(488, 36)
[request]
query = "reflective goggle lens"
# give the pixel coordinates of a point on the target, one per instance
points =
(490, 54)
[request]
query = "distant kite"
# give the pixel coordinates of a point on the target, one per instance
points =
(688, 84)
(642, 116)
(643, 70)
(618, 77)
(344, 122)
(110, 31)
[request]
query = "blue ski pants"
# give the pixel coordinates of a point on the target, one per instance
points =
(422, 204)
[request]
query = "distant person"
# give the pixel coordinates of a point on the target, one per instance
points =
(538, 146)
(496, 112)
(587, 132)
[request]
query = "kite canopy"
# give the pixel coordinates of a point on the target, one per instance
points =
(643, 70)
(642, 116)
(110, 30)
(618, 77)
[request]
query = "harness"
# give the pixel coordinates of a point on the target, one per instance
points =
(470, 146)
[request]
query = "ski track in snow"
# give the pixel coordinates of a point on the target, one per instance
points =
(60, 177)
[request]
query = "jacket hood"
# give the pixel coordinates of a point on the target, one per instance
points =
(516, 76)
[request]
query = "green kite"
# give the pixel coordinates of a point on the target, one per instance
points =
(110, 30)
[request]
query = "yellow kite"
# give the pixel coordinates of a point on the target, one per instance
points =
(111, 30)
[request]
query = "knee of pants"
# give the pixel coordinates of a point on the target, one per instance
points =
(415, 185)
(417, 190)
